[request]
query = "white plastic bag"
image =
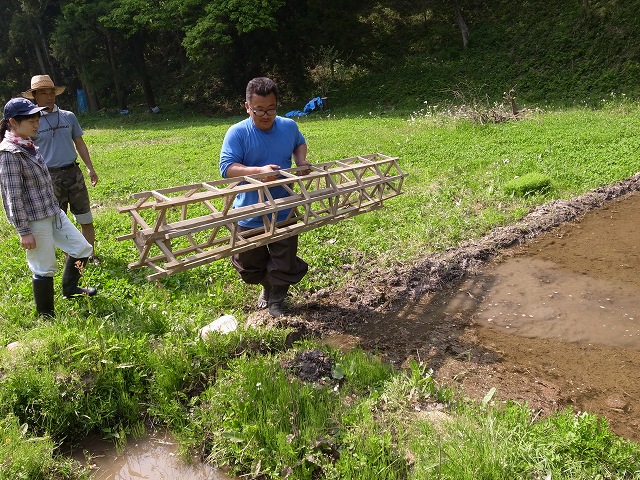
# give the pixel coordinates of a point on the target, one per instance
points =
(223, 324)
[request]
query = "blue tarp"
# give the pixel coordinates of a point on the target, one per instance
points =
(313, 104)
(82, 101)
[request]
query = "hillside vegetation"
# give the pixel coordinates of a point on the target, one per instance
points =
(551, 53)
(374, 55)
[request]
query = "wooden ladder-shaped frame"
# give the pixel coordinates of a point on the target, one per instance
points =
(179, 228)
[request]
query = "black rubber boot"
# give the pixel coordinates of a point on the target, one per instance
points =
(263, 299)
(73, 269)
(43, 295)
(276, 300)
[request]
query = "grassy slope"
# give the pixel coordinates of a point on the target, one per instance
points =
(552, 53)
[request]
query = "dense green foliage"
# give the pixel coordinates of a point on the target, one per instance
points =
(381, 55)
(507, 443)
(529, 184)
(24, 456)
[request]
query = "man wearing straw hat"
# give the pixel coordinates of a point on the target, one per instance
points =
(60, 142)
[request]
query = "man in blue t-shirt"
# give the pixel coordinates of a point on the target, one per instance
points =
(60, 142)
(265, 143)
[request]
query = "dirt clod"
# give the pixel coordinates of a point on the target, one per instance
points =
(312, 365)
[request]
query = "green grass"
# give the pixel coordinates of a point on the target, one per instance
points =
(508, 442)
(129, 356)
(532, 183)
(25, 456)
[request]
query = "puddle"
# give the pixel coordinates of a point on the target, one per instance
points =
(536, 298)
(576, 284)
(153, 457)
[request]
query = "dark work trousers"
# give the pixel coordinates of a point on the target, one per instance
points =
(276, 262)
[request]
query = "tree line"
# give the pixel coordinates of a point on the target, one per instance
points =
(201, 53)
(198, 51)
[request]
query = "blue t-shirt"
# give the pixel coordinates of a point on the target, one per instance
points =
(246, 144)
(55, 137)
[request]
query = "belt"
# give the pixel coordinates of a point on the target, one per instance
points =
(64, 167)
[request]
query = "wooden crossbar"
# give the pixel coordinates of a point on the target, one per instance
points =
(179, 228)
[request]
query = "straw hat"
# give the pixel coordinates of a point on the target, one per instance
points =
(39, 82)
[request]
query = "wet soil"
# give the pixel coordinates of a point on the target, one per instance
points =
(546, 310)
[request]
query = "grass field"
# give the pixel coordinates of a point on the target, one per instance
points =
(129, 357)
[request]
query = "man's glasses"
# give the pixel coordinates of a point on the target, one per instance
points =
(261, 113)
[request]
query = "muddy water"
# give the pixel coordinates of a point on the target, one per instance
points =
(553, 323)
(580, 283)
(537, 298)
(153, 457)
(563, 315)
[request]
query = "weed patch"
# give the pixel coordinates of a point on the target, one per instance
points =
(529, 184)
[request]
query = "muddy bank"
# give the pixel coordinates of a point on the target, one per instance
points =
(544, 310)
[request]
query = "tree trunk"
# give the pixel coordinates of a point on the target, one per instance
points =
(138, 47)
(92, 100)
(122, 104)
(464, 30)
(41, 62)
(148, 90)
(46, 57)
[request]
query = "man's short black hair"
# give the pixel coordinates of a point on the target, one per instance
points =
(262, 86)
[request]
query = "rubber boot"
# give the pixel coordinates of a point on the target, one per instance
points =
(73, 269)
(276, 299)
(263, 299)
(43, 295)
